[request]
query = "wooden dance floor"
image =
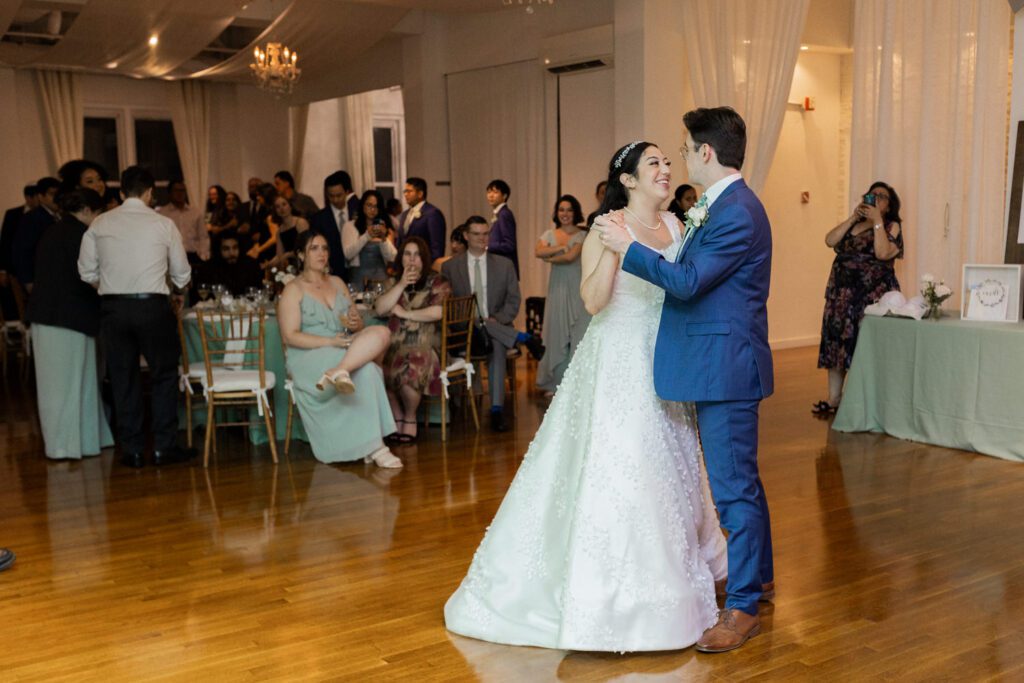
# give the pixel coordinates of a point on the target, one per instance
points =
(893, 560)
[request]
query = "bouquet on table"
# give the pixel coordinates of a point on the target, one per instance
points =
(282, 276)
(934, 293)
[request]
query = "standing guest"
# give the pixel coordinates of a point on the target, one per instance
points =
(216, 208)
(129, 254)
(30, 229)
(287, 228)
(189, 221)
(65, 317)
(9, 228)
(304, 205)
(253, 211)
(602, 187)
(349, 200)
(236, 211)
(111, 199)
(503, 223)
(492, 280)
(394, 212)
(457, 244)
(866, 245)
(368, 243)
(422, 219)
(83, 173)
(330, 220)
(565, 317)
(684, 199)
(415, 304)
(231, 268)
(264, 235)
(339, 390)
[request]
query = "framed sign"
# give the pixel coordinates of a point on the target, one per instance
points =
(991, 292)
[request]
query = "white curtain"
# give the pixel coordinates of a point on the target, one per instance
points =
(64, 115)
(742, 54)
(930, 107)
(497, 128)
(190, 113)
(298, 123)
(355, 115)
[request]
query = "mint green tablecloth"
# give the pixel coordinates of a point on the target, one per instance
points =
(952, 383)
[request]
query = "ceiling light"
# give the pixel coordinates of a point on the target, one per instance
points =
(275, 68)
(805, 48)
(153, 40)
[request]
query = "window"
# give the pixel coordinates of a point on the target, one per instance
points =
(101, 143)
(389, 155)
(118, 138)
(155, 148)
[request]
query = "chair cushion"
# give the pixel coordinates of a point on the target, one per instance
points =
(238, 380)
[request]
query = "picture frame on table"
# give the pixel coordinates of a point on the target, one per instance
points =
(991, 292)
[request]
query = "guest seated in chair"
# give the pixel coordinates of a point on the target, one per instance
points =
(412, 366)
(231, 268)
(492, 280)
(867, 245)
(339, 390)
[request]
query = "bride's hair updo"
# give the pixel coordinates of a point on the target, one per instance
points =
(625, 160)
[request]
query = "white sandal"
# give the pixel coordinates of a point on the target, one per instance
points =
(383, 457)
(341, 381)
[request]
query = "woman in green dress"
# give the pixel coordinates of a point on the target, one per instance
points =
(65, 317)
(339, 390)
(565, 317)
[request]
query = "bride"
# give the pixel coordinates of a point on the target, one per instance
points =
(607, 539)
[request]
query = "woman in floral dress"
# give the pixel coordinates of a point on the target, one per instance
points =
(866, 245)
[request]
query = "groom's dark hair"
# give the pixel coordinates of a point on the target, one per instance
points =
(721, 128)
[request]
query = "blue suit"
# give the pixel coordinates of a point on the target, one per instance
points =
(354, 206)
(712, 349)
(430, 226)
(323, 223)
(503, 237)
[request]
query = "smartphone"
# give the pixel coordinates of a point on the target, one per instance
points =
(869, 199)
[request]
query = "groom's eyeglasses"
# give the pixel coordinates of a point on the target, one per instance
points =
(685, 149)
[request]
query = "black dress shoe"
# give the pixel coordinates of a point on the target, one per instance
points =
(133, 460)
(498, 422)
(172, 455)
(534, 346)
(6, 558)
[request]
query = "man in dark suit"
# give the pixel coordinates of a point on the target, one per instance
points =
(492, 280)
(422, 219)
(33, 223)
(351, 200)
(9, 228)
(503, 223)
(329, 220)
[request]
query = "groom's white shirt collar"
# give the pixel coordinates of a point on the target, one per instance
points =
(716, 190)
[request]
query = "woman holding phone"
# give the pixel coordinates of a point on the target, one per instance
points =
(367, 242)
(866, 245)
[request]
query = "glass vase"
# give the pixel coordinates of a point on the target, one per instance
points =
(934, 312)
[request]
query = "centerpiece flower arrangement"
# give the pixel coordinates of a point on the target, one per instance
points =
(282, 276)
(934, 293)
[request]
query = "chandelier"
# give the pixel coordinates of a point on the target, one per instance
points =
(274, 69)
(527, 3)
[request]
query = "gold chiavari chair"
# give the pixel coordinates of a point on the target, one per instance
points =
(234, 348)
(15, 333)
(456, 368)
(190, 379)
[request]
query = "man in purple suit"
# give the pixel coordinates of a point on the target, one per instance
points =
(503, 223)
(422, 219)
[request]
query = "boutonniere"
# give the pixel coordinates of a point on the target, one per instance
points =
(697, 215)
(416, 214)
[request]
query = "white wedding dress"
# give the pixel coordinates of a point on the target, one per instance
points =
(607, 539)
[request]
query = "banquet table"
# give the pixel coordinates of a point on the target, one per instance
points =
(952, 382)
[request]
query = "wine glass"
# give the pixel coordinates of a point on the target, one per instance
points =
(203, 291)
(253, 294)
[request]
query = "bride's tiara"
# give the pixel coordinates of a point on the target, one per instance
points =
(624, 153)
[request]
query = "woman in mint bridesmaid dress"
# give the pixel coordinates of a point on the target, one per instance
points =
(339, 390)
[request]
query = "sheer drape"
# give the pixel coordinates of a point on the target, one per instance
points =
(64, 115)
(190, 114)
(496, 121)
(298, 123)
(355, 114)
(742, 54)
(930, 103)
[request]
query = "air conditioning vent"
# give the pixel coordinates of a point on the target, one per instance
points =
(578, 66)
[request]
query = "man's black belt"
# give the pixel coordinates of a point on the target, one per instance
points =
(144, 295)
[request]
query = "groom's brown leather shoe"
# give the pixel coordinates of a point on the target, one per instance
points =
(767, 590)
(734, 628)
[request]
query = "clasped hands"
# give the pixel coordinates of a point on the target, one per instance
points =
(611, 228)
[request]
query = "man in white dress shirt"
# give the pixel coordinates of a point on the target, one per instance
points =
(129, 254)
(189, 221)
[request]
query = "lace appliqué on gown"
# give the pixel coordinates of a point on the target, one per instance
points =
(607, 538)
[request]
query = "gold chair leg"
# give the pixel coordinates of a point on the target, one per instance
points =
(269, 419)
(288, 427)
(472, 405)
(209, 431)
(188, 417)
(444, 418)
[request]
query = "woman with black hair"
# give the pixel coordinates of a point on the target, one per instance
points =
(82, 173)
(368, 242)
(565, 317)
(866, 245)
(607, 539)
(65, 317)
(683, 200)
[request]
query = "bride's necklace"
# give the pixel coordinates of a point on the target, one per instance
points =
(637, 219)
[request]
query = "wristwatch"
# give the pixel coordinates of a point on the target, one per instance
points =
(878, 226)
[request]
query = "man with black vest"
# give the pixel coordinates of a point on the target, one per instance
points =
(129, 253)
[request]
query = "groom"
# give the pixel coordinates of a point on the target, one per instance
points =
(712, 348)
